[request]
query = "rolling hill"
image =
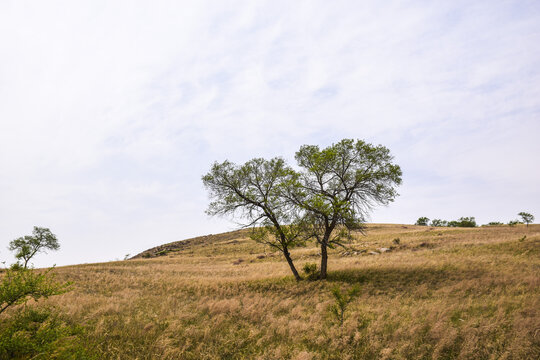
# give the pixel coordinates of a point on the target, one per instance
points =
(425, 293)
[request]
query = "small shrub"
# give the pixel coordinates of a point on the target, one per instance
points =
(341, 302)
(463, 222)
(20, 284)
(33, 333)
(439, 223)
(467, 222)
(514, 222)
(521, 239)
(396, 241)
(311, 271)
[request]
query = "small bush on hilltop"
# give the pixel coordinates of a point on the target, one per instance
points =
(494, 223)
(439, 223)
(463, 222)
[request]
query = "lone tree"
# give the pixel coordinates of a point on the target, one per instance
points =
(327, 199)
(423, 221)
(19, 283)
(254, 192)
(338, 185)
(27, 246)
(526, 217)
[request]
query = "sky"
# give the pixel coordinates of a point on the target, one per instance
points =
(111, 111)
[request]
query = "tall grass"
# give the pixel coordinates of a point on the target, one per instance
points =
(439, 294)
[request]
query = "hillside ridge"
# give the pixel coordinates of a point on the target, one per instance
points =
(179, 245)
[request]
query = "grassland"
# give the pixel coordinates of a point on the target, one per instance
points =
(442, 293)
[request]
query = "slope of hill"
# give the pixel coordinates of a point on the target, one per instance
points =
(178, 246)
(439, 293)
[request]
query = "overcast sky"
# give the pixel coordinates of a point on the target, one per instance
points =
(111, 111)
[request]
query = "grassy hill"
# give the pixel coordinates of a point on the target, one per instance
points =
(439, 293)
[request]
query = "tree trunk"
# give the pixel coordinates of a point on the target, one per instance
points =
(324, 261)
(291, 265)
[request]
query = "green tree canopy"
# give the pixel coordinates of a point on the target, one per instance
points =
(339, 185)
(526, 217)
(439, 222)
(27, 246)
(328, 198)
(254, 192)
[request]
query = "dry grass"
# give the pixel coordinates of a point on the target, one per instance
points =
(443, 293)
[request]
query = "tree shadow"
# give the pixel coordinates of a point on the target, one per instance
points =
(402, 278)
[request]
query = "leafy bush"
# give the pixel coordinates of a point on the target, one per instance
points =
(29, 332)
(495, 223)
(514, 222)
(423, 221)
(463, 222)
(20, 284)
(439, 222)
(467, 222)
(32, 333)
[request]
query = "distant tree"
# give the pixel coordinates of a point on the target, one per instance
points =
(463, 222)
(467, 222)
(439, 223)
(254, 192)
(494, 223)
(526, 217)
(27, 246)
(28, 332)
(514, 222)
(338, 185)
(21, 283)
(423, 221)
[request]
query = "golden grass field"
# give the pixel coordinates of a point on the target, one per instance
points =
(442, 293)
